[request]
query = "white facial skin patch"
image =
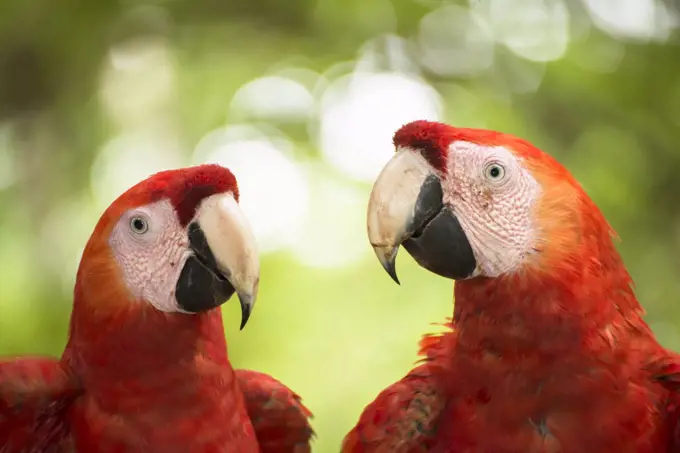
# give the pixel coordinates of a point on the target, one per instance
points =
(151, 247)
(492, 195)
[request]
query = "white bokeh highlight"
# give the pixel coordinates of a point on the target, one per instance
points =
(385, 53)
(520, 75)
(455, 41)
(130, 158)
(273, 98)
(335, 234)
(538, 30)
(361, 112)
(137, 80)
(634, 19)
(274, 193)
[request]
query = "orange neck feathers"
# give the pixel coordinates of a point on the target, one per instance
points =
(573, 291)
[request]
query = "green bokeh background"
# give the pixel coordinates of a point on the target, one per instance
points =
(96, 95)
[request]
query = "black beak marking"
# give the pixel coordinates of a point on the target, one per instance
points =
(201, 286)
(434, 236)
(391, 268)
(246, 301)
(199, 244)
(428, 205)
(245, 314)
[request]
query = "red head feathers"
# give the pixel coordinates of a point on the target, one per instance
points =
(172, 244)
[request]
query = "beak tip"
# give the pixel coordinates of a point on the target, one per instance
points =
(388, 259)
(246, 301)
(391, 269)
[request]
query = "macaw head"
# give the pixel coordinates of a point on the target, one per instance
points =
(176, 244)
(471, 203)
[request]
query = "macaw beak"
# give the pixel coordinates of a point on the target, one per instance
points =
(406, 208)
(224, 259)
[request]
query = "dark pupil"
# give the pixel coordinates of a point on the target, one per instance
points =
(495, 172)
(138, 224)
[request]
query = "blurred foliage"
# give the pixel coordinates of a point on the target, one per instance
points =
(96, 95)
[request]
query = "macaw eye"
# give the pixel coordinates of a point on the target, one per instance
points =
(494, 172)
(139, 225)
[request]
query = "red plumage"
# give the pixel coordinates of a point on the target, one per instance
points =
(279, 418)
(555, 357)
(432, 140)
(135, 379)
(35, 394)
(184, 187)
